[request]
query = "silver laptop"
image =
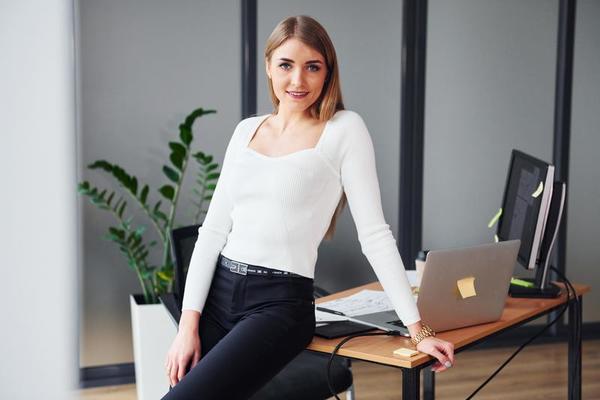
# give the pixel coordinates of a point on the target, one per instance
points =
(484, 273)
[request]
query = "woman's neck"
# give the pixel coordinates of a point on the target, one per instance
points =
(285, 120)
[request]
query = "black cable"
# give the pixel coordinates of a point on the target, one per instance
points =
(340, 344)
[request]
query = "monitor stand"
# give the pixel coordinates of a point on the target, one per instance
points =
(542, 288)
(549, 291)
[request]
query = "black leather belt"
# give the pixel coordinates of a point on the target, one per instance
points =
(249, 269)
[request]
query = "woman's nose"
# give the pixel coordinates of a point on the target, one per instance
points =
(298, 77)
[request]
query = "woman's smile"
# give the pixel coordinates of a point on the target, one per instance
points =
(297, 95)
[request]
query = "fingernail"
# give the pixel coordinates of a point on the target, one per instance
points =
(447, 364)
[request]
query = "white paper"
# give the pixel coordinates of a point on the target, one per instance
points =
(364, 302)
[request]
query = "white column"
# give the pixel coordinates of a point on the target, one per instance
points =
(38, 201)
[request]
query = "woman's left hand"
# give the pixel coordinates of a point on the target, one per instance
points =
(440, 349)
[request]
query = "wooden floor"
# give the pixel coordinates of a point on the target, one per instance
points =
(538, 372)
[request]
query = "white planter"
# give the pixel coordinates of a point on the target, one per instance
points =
(153, 332)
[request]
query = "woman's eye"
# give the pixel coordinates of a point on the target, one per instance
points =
(314, 68)
(284, 66)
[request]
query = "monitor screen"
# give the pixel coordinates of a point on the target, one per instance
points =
(524, 206)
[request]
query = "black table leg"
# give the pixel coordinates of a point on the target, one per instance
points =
(428, 384)
(575, 313)
(410, 384)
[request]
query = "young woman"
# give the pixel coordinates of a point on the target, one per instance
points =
(248, 307)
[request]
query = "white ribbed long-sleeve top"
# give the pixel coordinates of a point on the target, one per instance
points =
(275, 211)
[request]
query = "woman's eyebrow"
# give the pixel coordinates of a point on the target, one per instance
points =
(308, 62)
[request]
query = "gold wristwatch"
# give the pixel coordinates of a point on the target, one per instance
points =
(425, 331)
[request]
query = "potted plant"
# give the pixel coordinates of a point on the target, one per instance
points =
(152, 328)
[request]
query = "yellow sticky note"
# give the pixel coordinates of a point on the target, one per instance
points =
(404, 352)
(466, 287)
(539, 190)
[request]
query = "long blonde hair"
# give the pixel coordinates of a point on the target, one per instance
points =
(311, 33)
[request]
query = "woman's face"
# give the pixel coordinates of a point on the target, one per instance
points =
(298, 74)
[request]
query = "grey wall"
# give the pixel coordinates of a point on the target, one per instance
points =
(37, 137)
(144, 66)
(367, 40)
(490, 88)
(583, 229)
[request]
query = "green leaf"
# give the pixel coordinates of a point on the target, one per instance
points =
(138, 249)
(211, 167)
(116, 206)
(185, 133)
(143, 255)
(212, 176)
(117, 232)
(161, 215)
(165, 275)
(101, 164)
(178, 148)
(136, 241)
(121, 209)
(189, 120)
(177, 160)
(83, 187)
(110, 197)
(167, 191)
(144, 194)
(133, 185)
(146, 274)
(211, 186)
(171, 173)
(209, 197)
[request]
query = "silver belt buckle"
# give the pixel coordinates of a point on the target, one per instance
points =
(238, 268)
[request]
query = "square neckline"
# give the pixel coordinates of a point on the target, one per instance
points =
(262, 119)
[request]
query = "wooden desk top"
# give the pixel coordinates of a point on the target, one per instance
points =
(380, 349)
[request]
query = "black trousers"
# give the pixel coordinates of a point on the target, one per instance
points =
(250, 328)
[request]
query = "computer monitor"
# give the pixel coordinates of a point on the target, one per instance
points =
(525, 210)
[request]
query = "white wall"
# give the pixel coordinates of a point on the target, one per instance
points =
(37, 124)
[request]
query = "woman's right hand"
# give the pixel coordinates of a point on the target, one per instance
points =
(184, 349)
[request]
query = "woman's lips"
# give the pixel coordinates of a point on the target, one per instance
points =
(297, 95)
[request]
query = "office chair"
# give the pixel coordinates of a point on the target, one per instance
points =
(303, 378)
